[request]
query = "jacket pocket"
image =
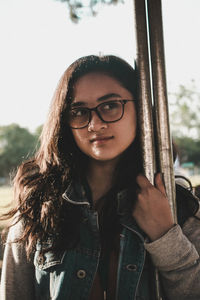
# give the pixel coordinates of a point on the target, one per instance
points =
(49, 259)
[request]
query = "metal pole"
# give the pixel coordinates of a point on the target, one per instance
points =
(145, 106)
(163, 140)
(144, 92)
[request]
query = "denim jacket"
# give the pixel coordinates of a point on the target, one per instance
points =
(70, 274)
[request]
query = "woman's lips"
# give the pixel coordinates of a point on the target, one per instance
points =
(102, 139)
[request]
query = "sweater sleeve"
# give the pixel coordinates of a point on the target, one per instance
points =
(17, 278)
(176, 256)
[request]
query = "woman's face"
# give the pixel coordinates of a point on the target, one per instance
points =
(99, 140)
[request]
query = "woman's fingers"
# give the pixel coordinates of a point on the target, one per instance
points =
(152, 211)
(159, 183)
(142, 181)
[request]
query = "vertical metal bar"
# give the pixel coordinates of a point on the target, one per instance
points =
(144, 92)
(145, 105)
(163, 140)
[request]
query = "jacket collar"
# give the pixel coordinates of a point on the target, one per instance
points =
(76, 194)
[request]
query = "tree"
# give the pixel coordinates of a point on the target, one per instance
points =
(38, 131)
(185, 122)
(37, 134)
(188, 150)
(184, 112)
(79, 8)
(16, 144)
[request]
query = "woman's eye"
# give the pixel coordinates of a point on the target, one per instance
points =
(77, 113)
(110, 105)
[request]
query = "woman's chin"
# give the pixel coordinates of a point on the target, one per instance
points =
(105, 158)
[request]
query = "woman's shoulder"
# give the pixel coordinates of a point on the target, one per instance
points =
(15, 230)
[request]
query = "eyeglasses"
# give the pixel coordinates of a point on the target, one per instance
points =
(108, 112)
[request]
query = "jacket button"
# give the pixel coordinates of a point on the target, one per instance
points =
(131, 267)
(81, 274)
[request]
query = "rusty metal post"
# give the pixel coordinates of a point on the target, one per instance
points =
(144, 93)
(163, 140)
(145, 106)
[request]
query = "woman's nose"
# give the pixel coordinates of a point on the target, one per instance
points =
(96, 123)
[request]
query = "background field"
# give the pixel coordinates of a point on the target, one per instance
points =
(6, 197)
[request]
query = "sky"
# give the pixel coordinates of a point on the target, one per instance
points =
(39, 41)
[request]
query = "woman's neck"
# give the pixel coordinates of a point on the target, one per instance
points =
(100, 178)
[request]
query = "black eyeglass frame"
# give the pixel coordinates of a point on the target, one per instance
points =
(123, 102)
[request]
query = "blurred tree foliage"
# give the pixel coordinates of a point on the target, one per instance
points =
(16, 144)
(81, 8)
(184, 112)
(188, 149)
(185, 122)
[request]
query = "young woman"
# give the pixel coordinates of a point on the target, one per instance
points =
(87, 224)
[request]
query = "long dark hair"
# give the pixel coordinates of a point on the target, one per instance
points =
(40, 182)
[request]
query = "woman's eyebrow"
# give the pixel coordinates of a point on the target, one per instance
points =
(75, 104)
(107, 96)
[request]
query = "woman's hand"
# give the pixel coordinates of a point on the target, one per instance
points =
(152, 211)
